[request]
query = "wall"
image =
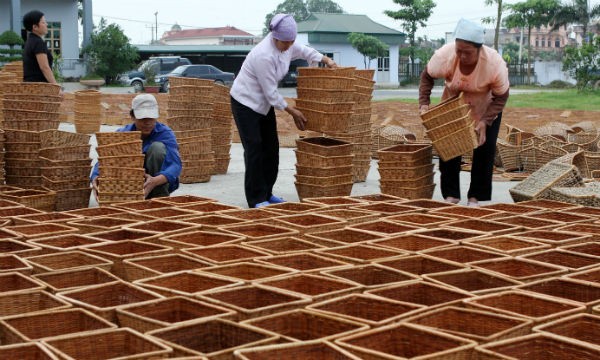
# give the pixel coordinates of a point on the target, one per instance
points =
(548, 71)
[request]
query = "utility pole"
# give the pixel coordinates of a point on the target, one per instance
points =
(156, 25)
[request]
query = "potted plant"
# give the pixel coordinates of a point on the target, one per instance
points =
(150, 74)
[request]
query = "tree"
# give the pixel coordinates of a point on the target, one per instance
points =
(412, 14)
(583, 63)
(579, 12)
(369, 46)
(110, 52)
(300, 10)
(497, 19)
(10, 39)
(530, 14)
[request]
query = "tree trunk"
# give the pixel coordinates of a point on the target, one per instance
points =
(498, 21)
(529, 55)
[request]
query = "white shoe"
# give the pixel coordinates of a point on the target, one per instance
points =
(452, 200)
(473, 202)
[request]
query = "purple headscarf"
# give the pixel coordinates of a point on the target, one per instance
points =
(283, 27)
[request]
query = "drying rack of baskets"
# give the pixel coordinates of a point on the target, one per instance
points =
(190, 115)
(88, 112)
(450, 128)
(120, 167)
(65, 167)
(323, 167)
(406, 171)
(222, 128)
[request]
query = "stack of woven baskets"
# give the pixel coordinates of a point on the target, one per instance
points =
(87, 111)
(22, 158)
(31, 106)
(121, 167)
(190, 116)
(389, 135)
(4, 78)
(326, 98)
(221, 128)
(450, 128)
(15, 67)
(2, 139)
(323, 167)
(65, 168)
(406, 171)
(359, 129)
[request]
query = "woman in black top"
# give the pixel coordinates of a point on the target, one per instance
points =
(37, 59)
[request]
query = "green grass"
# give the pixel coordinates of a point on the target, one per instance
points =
(556, 99)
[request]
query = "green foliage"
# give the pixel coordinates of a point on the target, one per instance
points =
(369, 46)
(109, 52)
(511, 50)
(583, 63)
(149, 74)
(420, 52)
(57, 67)
(497, 21)
(412, 14)
(11, 39)
(302, 9)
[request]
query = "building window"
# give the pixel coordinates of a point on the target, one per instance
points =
(537, 42)
(557, 42)
(543, 42)
(53, 38)
(383, 64)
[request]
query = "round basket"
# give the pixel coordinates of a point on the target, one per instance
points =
(325, 82)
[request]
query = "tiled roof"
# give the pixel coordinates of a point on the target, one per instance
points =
(343, 23)
(206, 32)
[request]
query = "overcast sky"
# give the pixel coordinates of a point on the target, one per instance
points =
(136, 17)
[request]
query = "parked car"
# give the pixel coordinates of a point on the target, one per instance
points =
(290, 78)
(196, 71)
(160, 64)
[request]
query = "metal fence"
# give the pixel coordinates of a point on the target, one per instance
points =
(517, 73)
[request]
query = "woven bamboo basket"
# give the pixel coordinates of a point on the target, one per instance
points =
(311, 160)
(68, 260)
(32, 88)
(66, 173)
(30, 105)
(162, 313)
(420, 192)
(108, 343)
(145, 267)
(120, 149)
(553, 174)
(322, 121)
(185, 283)
(121, 172)
(57, 185)
(36, 125)
(30, 350)
(189, 105)
(120, 185)
(456, 143)
(22, 115)
(203, 92)
(405, 341)
(107, 138)
(125, 161)
(65, 280)
(326, 82)
(319, 71)
(25, 328)
(29, 303)
(179, 81)
(405, 152)
(326, 95)
(449, 127)
(78, 152)
(312, 190)
(586, 196)
(510, 245)
(342, 107)
(37, 199)
(56, 138)
(447, 105)
(324, 146)
(404, 173)
(324, 181)
(15, 172)
(318, 348)
(15, 282)
(536, 346)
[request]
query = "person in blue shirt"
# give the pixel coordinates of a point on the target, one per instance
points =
(162, 162)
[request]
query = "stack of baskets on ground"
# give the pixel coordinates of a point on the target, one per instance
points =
(88, 112)
(323, 167)
(221, 128)
(66, 164)
(120, 167)
(31, 106)
(406, 171)
(4, 78)
(190, 112)
(15, 67)
(389, 135)
(526, 152)
(450, 128)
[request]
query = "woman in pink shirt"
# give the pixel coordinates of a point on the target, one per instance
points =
(481, 74)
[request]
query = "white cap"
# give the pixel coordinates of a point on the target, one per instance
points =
(469, 31)
(145, 107)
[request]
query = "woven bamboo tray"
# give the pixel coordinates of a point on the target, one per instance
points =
(553, 174)
(30, 302)
(30, 350)
(65, 280)
(68, 260)
(524, 270)
(318, 348)
(185, 283)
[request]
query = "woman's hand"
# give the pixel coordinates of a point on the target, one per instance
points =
(480, 129)
(328, 61)
(423, 109)
(299, 118)
(95, 188)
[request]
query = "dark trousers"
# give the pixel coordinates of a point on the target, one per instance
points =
(155, 157)
(258, 134)
(482, 168)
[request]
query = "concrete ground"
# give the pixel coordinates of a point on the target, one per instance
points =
(229, 188)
